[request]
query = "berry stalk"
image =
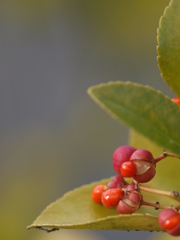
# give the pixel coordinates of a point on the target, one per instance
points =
(164, 155)
(172, 194)
(177, 207)
(156, 205)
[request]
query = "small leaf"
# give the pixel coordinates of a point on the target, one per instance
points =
(144, 109)
(76, 210)
(169, 46)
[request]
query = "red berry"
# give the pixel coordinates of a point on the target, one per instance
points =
(116, 182)
(171, 223)
(169, 220)
(97, 193)
(128, 169)
(121, 155)
(177, 100)
(165, 214)
(144, 161)
(111, 197)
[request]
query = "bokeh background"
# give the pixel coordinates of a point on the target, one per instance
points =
(53, 136)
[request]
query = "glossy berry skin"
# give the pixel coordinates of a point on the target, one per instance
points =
(121, 155)
(111, 197)
(128, 169)
(169, 220)
(130, 203)
(116, 182)
(144, 161)
(176, 100)
(165, 214)
(97, 193)
(171, 223)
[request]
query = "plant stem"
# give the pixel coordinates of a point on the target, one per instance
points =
(164, 155)
(177, 207)
(156, 205)
(173, 194)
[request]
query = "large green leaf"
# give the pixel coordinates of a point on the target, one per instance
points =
(169, 46)
(76, 210)
(146, 110)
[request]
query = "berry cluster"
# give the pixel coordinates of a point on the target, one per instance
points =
(140, 165)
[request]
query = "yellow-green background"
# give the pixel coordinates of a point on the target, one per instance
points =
(53, 136)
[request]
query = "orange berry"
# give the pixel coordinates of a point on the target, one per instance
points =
(111, 197)
(97, 193)
(171, 222)
(128, 169)
(177, 100)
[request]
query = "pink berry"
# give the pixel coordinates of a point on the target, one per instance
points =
(165, 214)
(116, 182)
(121, 155)
(169, 220)
(130, 203)
(144, 161)
(130, 187)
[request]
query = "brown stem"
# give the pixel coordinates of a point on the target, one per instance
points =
(164, 155)
(177, 207)
(156, 205)
(173, 194)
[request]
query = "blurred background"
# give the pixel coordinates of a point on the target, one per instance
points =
(53, 136)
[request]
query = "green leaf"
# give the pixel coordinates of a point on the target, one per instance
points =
(76, 210)
(144, 109)
(169, 46)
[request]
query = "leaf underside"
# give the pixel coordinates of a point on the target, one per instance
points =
(142, 108)
(169, 46)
